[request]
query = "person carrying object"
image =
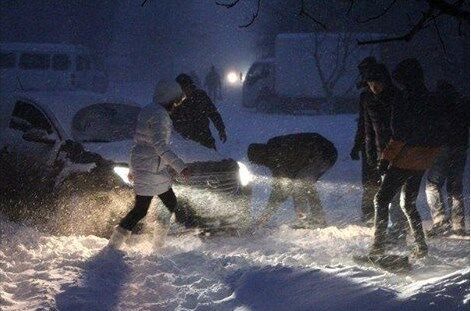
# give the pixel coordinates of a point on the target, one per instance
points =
(296, 162)
(410, 152)
(152, 161)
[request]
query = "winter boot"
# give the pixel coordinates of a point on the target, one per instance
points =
(160, 234)
(439, 229)
(119, 237)
(460, 232)
(420, 250)
(377, 249)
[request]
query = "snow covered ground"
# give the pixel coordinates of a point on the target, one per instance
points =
(276, 269)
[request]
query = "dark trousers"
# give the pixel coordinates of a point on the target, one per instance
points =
(370, 181)
(448, 168)
(142, 204)
(408, 182)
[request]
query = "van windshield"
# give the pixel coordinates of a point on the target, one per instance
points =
(105, 122)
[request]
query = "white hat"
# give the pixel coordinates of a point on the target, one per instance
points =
(165, 91)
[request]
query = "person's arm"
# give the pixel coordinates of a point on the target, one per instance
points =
(370, 139)
(213, 114)
(360, 133)
(160, 125)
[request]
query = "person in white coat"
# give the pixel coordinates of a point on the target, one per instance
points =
(151, 163)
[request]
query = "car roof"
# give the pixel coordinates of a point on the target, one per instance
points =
(43, 47)
(60, 106)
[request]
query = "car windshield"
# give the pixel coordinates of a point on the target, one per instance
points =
(105, 122)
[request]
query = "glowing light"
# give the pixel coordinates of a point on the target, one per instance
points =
(232, 77)
(122, 172)
(244, 174)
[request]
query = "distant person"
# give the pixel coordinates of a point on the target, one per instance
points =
(296, 162)
(450, 165)
(152, 161)
(192, 115)
(213, 84)
(378, 102)
(370, 178)
(407, 156)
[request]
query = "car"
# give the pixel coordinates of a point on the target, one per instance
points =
(64, 158)
(42, 66)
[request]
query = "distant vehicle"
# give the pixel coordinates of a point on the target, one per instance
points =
(308, 70)
(65, 156)
(41, 66)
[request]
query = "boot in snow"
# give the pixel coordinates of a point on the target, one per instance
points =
(377, 249)
(119, 237)
(420, 250)
(439, 229)
(460, 232)
(160, 233)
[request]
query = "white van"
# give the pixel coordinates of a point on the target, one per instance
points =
(39, 66)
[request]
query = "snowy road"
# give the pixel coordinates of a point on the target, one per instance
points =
(277, 269)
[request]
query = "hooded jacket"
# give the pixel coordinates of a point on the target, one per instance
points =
(151, 155)
(286, 155)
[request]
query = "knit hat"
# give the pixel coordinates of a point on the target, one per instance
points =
(377, 72)
(166, 91)
(184, 80)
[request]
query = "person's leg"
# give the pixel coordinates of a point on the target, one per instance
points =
(139, 211)
(392, 182)
(123, 231)
(435, 180)
(306, 192)
(409, 194)
(370, 184)
(397, 232)
(455, 189)
(183, 215)
(280, 191)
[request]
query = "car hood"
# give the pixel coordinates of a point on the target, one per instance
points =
(187, 150)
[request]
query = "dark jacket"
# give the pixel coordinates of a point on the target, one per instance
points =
(415, 137)
(359, 142)
(377, 114)
(455, 111)
(286, 155)
(191, 118)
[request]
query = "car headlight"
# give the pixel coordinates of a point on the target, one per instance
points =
(245, 176)
(123, 173)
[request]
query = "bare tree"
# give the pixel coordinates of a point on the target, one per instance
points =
(433, 9)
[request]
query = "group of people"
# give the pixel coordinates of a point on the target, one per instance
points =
(403, 130)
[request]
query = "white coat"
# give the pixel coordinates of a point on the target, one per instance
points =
(151, 155)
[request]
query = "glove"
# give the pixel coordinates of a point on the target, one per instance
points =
(355, 154)
(382, 166)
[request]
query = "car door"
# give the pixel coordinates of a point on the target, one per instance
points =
(30, 141)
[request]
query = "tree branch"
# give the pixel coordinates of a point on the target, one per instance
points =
(409, 35)
(227, 5)
(385, 11)
(305, 13)
(254, 15)
(143, 3)
(452, 9)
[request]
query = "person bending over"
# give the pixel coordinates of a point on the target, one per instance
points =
(296, 162)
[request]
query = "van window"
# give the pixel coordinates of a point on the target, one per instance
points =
(31, 61)
(83, 63)
(26, 117)
(60, 62)
(7, 60)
